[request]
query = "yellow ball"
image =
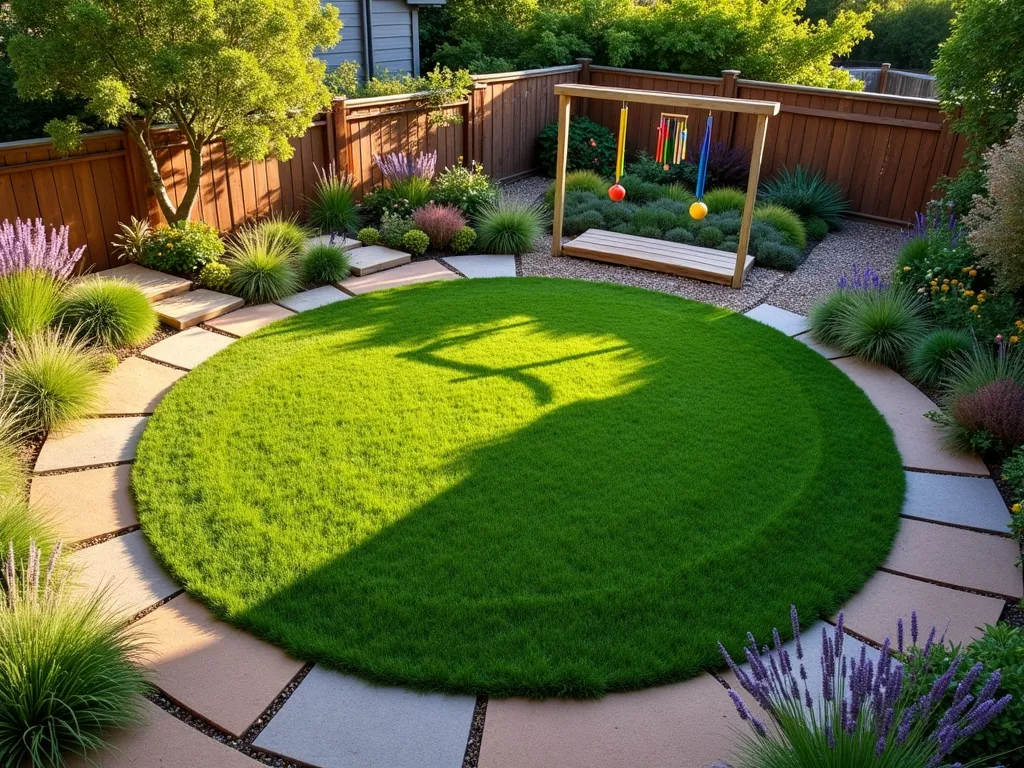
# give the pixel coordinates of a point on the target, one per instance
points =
(698, 210)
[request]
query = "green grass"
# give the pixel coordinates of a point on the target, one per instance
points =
(30, 300)
(290, 234)
(111, 313)
(530, 486)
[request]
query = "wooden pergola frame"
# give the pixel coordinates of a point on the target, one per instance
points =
(762, 109)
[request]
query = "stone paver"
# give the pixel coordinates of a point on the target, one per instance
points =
(226, 675)
(903, 405)
(136, 386)
(242, 322)
(337, 721)
(783, 320)
(195, 307)
(312, 299)
(689, 724)
(155, 285)
(483, 266)
(88, 503)
(957, 557)
(90, 442)
(188, 348)
(829, 353)
(345, 243)
(164, 741)
(125, 565)
(418, 272)
(374, 258)
(974, 502)
(887, 597)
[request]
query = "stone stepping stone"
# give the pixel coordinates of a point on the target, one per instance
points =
(338, 721)
(156, 285)
(90, 442)
(783, 320)
(188, 348)
(88, 503)
(957, 557)
(345, 243)
(685, 724)
(903, 405)
(136, 386)
(973, 502)
(195, 307)
(410, 274)
(829, 353)
(228, 676)
(313, 299)
(873, 612)
(246, 321)
(483, 266)
(373, 258)
(125, 565)
(163, 741)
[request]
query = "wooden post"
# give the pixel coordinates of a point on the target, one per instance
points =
(564, 114)
(339, 131)
(583, 105)
(883, 77)
(756, 154)
(727, 119)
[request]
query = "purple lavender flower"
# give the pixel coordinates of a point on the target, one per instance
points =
(33, 245)
(399, 166)
(913, 627)
(868, 279)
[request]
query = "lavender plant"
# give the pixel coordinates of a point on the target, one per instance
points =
(857, 280)
(399, 166)
(862, 715)
(32, 245)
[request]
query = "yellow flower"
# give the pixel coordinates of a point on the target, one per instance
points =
(966, 269)
(1016, 507)
(945, 288)
(906, 269)
(968, 293)
(945, 281)
(934, 282)
(1014, 339)
(974, 308)
(1020, 324)
(973, 273)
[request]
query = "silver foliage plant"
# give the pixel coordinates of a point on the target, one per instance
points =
(33, 245)
(861, 716)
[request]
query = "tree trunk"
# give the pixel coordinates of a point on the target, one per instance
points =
(171, 212)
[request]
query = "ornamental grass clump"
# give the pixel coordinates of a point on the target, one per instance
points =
(110, 313)
(509, 227)
(929, 360)
(288, 233)
(30, 300)
(881, 326)
(324, 264)
(262, 268)
(725, 199)
(333, 207)
(439, 222)
(865, 713)
(31, 245)
(807, 194)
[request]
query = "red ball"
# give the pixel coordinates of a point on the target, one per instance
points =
(617, 192)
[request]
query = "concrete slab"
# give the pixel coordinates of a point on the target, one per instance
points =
(313, 299)
(340, 241)
(829, 353)
(163, 741)
(337, 721)
(155, 285)
(242, 322)
(418, 272)
(973, 502)
(88, 503)
(483, 265)
(136, 386)
(188, 348)
(690, 724)
(226, 675)
(195, 307)
(373, 258)
(873, 611)
(958, 558)
(126, 567)
(783, 320)
(90, 442)
(903, 405)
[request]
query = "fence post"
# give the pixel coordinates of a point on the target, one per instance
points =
(338, 134)
(727, 90)
(883, 77)
(583, 105)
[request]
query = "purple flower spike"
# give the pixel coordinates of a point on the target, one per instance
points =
(794, 619)
(899, 635)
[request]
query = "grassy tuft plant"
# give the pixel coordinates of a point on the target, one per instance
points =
(587, 181)
(817, 228)
(725, 199)
(289, 234)
(324, 264)
(929, 359)
(825, 316)
(785, 221)
(261, 268)
(30, 301)
(333, 207)
(679, 193)
(21, 524)
(882, 326)
(509, 227)
(807, 195)
(111, 313)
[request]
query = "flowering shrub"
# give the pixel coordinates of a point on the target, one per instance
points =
(33, 245)
(470, 189)
(439, 222)
(393, 229)
(183, 248)
(591, 147)
(399, 166)
(867, 711)
(1013, 474)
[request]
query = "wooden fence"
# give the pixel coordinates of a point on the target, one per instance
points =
(885, 151)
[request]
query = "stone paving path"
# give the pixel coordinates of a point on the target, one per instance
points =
(952, 562)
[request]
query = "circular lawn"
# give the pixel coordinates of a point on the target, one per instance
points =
(518, 486)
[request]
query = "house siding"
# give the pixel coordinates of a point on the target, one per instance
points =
(392, 36)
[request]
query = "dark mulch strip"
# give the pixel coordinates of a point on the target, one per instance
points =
(476, 734)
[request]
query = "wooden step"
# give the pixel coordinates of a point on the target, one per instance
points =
(155, 285)
(195, 307)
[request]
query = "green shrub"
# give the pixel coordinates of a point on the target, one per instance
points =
(906, 34)
(393, 229)
(30, 300)
(215, 276)
(624, 229)
(416, 242)
(591, 147)
(106, 361)
(413, 191)
(640, 192)
(110, 313)
(579, 200)
(729, 244)
(806, 194)
(291, 236)
(21, 524)
(728, 222)
(463, 240)
(647, 169)
(650, 217)
(929, 359)
(508, 227)
(324, 264)
(725, 199)
(913, 256)
(778, 256)
(261, 268)
(51, 380)
(587, 181)
(825, 316)
(881, 326)
(368, 236)
(333, 208)
(764, 232)
(710, 237)
(616, 213)
(652, 232)
(785, 221)
(679, 235)
(468, 188)
(183, 248)
(817, 228)
(581, 222)
(70, 670)
(680, 193)
(1013, 473)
